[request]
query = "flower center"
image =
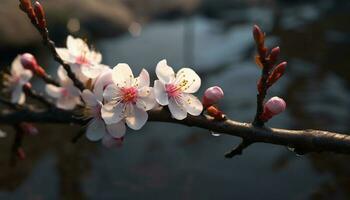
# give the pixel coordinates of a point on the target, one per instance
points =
(173, 90)
(64, 92)
(82, 60)
(129, 95)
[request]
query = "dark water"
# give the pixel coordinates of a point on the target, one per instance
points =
(165, 161)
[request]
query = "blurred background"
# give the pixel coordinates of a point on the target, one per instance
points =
(166, 161)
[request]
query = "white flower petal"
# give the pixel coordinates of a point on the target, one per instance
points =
(102, 82)
(137, 118)
(177, 110)
(142, 80)
(76, 46)
(117, 130)
(164, 72)
(192, 104)
(190, 78)
(160, 93)
(122, 75)
(111, 93)
(62, 76)
(18, 96)
(16, 66)
(67, 103)
(146, 99)
(96, 130)
(112, 113)
(89, 98)
(25, 76)
(65, 55)
(53, 91)
(92, 71)
(94, 57)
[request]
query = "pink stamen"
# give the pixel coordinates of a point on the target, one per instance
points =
(129, 95)
(82, 60)
(173, 90)
(64, 92)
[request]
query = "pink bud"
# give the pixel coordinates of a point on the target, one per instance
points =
(212, 95)
(29, 62)
(272, 107)
(29, 128)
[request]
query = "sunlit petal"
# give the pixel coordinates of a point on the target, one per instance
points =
(164, 72)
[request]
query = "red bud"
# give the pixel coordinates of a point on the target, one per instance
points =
(275, 52)
(276, 74)
(28, 61)
(39, 11)
(258, 35)
(258, 61)
(26, 6)
(272, 107)
(216, 113)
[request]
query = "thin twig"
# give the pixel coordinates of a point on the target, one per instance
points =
(239, 149)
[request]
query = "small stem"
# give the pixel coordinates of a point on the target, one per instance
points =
(239, 149)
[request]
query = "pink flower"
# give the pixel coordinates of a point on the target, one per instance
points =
(18, 78)
(175, 91)
(97, 129)
(85, 63)
(272, 107)
(68, 96)
(128, 99)
(212, 95)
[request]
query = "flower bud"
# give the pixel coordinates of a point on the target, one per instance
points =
(258, 35)
(40, 14)
(272, 107)
(216, 113)
(276, 74)
(28, 61)
(275, 52)
(29, 129)
(212, 95)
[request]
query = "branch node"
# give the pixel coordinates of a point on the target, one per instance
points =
(238, 150)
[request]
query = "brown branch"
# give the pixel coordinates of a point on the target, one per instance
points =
(304, 141)
(35, 95)
(44, 32)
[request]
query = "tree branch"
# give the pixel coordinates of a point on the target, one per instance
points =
(303, 141)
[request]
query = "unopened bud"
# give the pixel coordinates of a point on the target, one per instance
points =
(272, 107)
(28, 61)
(258, 35)
(40, 14)
(216, 113)
(275, 52)
(26, 6)
(29, 128)
(212, 95)
(276, 74)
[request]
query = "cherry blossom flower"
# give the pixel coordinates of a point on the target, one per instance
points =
(68, 96)
(128, 98)
(176, 90)
(85, 63)
(97, 129)
(16, 80)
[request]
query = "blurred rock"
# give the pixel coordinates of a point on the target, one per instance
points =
(92, 18)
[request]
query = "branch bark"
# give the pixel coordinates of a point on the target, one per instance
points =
(303, 141)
